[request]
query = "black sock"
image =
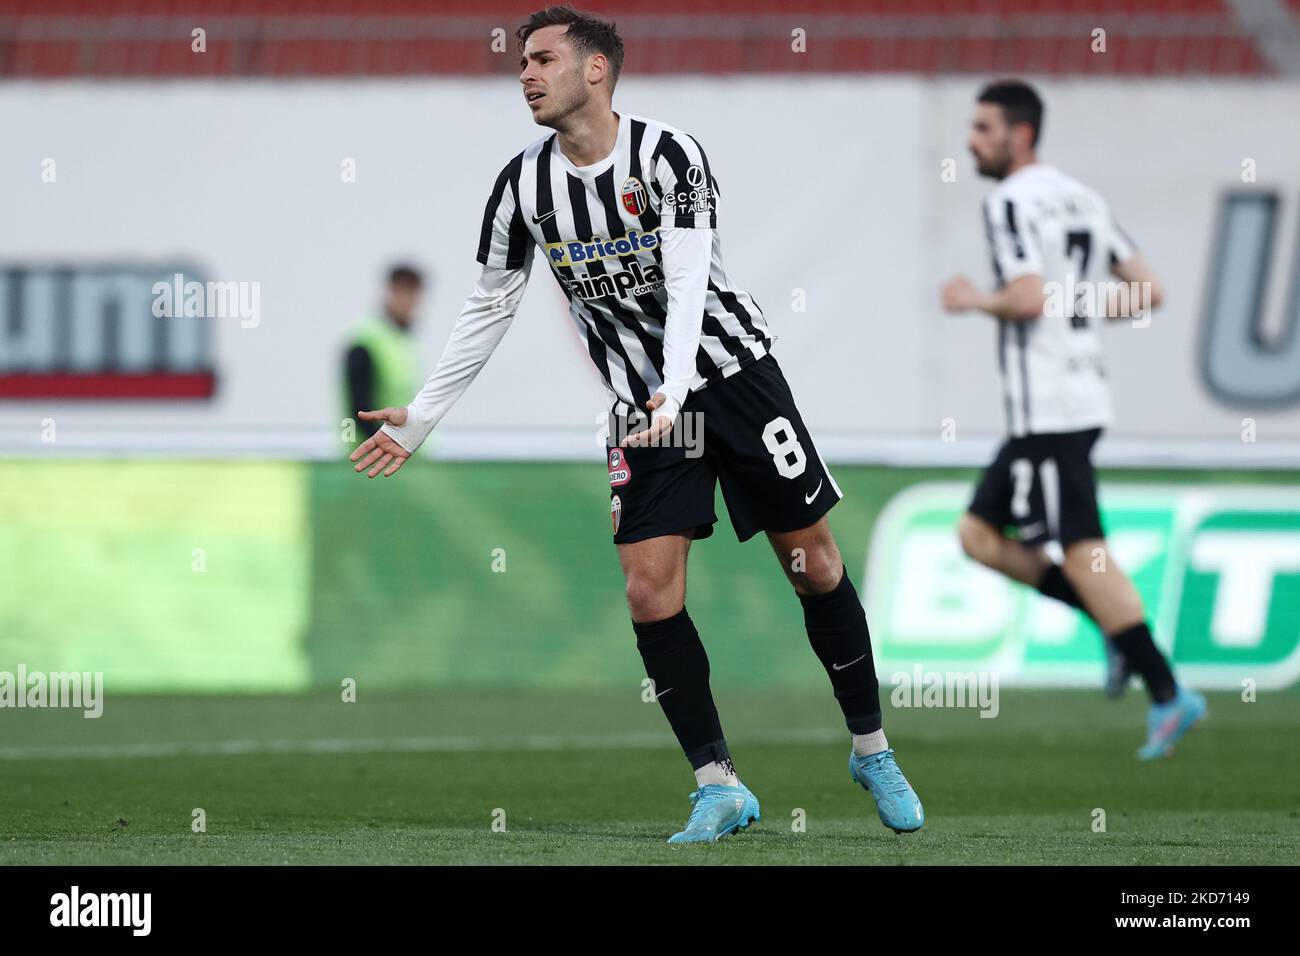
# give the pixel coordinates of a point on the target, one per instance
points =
(1054, 584)
(837, 631)
(675, 661)
(1143, 656)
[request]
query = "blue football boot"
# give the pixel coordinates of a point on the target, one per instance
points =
(717, 810)
(897, 803)
(1168, 723)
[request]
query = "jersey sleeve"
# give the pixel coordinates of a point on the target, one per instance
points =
(483, 321)
(684, 183)
(504, 241)
(687, 259)
(1013, 243)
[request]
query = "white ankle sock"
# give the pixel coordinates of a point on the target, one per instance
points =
(719, 773)
(866, 744)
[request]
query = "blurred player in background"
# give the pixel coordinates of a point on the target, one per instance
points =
(381, 364)
(1053, 241)
(625, 212)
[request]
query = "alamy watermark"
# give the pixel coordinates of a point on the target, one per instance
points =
(81, 690)
(75, 908)
(1113, 300)
(976, 689)
(208, 300)
(687, 432)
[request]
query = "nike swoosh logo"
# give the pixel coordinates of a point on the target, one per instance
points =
(538, 220)
(661, 693)
(840, 667)
(809, 499)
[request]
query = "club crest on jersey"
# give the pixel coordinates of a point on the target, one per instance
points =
(619, 472)
(633, 193)
(615, 511)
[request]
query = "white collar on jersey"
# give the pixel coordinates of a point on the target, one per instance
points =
(598, 167)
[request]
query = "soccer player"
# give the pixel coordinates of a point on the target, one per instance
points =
(1052, 241)
(625, 212)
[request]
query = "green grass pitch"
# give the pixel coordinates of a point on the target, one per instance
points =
(587, 777)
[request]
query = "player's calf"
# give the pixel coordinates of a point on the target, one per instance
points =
(674, 656)
(1115, 604)
(838, 632)
(1106, 592)
(809, 557)
(834, 619)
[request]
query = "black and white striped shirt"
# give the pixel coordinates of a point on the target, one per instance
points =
(601, 228)
(630, 239)
(1039, 221)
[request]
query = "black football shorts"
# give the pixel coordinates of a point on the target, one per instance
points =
(1044, 486)
(745, 433)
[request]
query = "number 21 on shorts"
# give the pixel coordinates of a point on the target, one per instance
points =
(1022, 482)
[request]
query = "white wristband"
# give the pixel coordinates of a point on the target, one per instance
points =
(668, 410)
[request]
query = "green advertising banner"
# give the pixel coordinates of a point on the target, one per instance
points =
(1217, 566)
(183, 576)
(162, 575)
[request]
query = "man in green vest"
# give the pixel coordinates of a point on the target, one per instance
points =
(381, 366)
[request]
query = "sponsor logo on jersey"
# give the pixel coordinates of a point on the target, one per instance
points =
(567, 253)
(696, 197)
(636, 279)
(615, 511)
(619, 472)
(634, 196)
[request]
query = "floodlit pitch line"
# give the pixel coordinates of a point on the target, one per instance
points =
(360, 745)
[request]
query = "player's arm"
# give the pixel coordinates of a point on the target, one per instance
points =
(1021, 300)
(479, 328)
(686, 241)
(1142, 290)
(687, 254)
(1018, 262)
(506, 253)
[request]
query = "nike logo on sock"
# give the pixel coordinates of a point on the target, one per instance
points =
(840, 667)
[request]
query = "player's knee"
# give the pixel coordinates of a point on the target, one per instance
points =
(978, 538)
(651, 598)
(822, 570)
(810, 558)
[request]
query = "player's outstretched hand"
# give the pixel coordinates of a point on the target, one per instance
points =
(380, 450)
(658, 426)
(958, 294)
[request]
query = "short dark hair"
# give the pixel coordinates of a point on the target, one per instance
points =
(588, 33)
(405, 275)
(1019, 102)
